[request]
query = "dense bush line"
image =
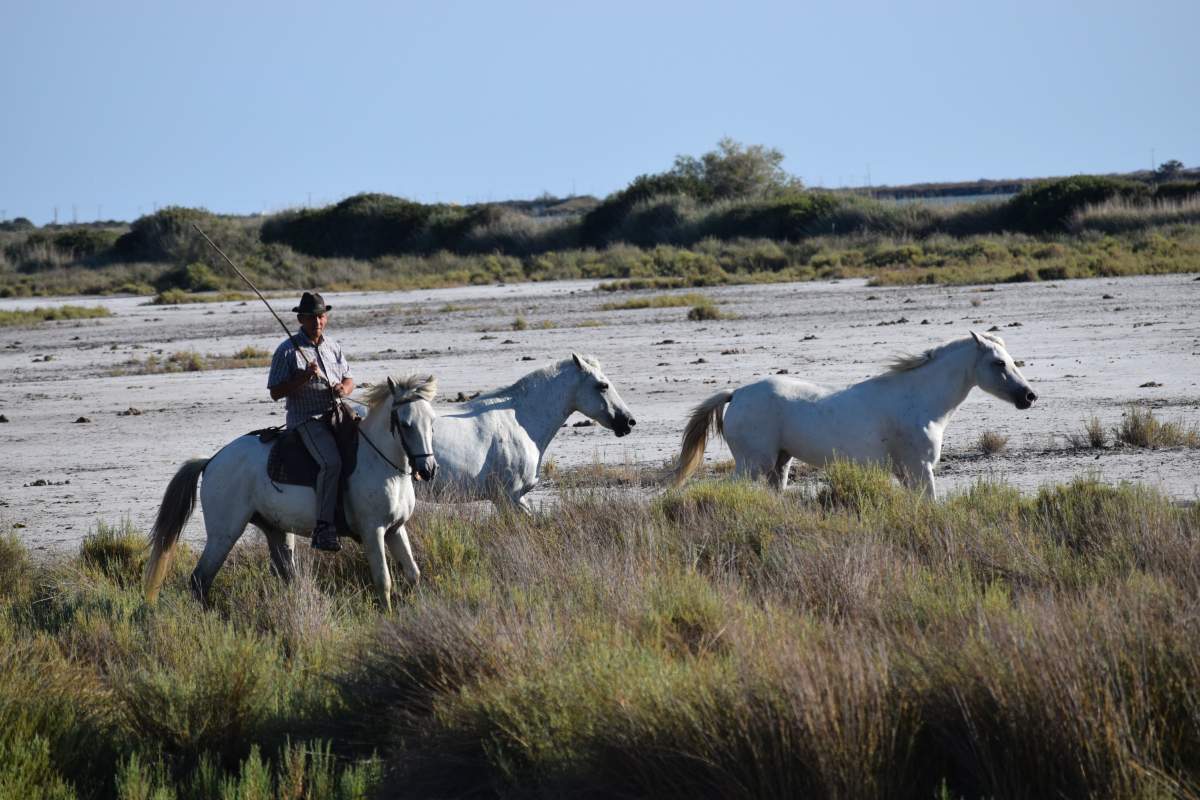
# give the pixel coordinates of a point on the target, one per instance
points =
(715, 641)
(730, 195)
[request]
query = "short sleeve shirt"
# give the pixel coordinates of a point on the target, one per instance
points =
(314, 398)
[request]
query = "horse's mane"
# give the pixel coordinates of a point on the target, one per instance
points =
(422, 386)
(906, 362)
(531, 381)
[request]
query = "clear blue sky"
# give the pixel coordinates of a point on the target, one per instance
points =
(113, 107)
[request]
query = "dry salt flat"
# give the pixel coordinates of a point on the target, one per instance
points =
(1089, 347)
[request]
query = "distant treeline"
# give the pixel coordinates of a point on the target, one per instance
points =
(733, 193)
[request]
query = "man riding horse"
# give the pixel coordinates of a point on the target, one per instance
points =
(310, 372)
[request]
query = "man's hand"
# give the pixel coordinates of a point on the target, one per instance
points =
(312, 370)
(338, 389)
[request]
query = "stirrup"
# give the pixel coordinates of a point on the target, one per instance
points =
(324, 537)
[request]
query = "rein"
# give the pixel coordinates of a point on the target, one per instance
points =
(394, 428)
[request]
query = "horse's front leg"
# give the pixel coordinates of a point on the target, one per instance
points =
(376, 559)
(919, 478)
(401, 550)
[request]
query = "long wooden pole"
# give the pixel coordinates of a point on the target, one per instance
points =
(286, 330)
(255, 289)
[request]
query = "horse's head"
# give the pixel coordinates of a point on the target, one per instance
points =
(411, 422)
(996, 373)
(597, 398)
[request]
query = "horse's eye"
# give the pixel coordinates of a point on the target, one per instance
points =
(999, 364)
(602, 387)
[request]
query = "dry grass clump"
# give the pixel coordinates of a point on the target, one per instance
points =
(719, 640)
(175, 297)
(1140, 428)
(1094, 434)
(991, 443)
(705, 310)
(50, 314)
(192, 361)
(660, 301)
(1120, 215)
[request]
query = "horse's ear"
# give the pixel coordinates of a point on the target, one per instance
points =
(578, 360)
(978, 340)
(391, 385)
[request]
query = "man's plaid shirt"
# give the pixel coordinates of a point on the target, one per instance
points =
(313, 399)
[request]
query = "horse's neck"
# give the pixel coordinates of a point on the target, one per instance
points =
(543, 411)
(376, 427)
(942, 385)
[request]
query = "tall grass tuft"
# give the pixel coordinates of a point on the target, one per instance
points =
(1140, 428)
(1094, 434)
(991, 443)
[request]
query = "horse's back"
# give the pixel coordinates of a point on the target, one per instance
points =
(475, 444)
(235, 465)
(807, 420)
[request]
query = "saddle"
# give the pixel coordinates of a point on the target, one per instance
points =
(290, 463)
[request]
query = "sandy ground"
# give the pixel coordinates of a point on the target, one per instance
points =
(1088, 347)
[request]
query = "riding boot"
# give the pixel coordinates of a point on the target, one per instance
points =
(324, 537)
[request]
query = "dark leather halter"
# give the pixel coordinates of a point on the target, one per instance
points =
(395, 428)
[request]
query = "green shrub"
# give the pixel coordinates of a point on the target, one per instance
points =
(789, 216)
(1048, 205)
(194, 277)
(704, 311)
(15, 567)
(362, 226)
(119, 553)
(1176, 191)
(599, 224)
(857, 487)
(166, 235)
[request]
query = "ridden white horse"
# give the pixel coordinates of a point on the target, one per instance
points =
(896, 418)
(378, 499)
(492, 447)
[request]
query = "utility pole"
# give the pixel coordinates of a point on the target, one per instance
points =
(56, 215)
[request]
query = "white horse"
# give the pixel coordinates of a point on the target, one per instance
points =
(896, 418)
(492, 447)
(378, 498)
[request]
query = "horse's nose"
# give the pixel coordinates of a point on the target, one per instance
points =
(1030, 396)
(632, 422)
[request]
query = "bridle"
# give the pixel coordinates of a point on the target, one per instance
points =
(396, 429)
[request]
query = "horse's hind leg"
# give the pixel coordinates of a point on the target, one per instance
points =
(283, 553)
(401, 550)
(751, 464)
(222, 534)
(777, 479)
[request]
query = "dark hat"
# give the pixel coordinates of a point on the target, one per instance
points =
(312, 303)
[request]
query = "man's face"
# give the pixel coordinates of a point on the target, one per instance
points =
(314, 325)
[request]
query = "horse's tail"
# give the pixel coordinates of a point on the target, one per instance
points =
(695, 435)
(177, 506)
